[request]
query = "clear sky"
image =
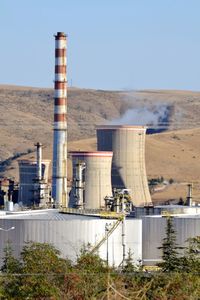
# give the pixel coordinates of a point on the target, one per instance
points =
(113, 44)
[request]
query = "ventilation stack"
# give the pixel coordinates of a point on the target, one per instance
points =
(59, 172)
(128, 165)
(96, 185)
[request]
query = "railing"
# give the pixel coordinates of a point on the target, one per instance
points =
(98, 212)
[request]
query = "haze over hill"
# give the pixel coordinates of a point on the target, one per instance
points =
(27, 117)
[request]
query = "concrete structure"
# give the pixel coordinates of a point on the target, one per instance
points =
(28, 172)
(96, 177)
(59, 172)
(69, 233)
(153, 231)
(128, 165)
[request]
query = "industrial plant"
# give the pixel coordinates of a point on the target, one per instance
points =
(107, 205)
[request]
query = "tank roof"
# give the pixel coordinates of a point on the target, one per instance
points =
(32, 161)
(123, 127)
(92, 154)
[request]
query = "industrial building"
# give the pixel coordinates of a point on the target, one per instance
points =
(109, 206)
(33, 190)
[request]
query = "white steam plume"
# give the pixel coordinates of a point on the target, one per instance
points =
(155, 116)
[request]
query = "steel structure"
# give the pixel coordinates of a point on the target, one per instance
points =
(96, 179)
(59, 172)
(128, 165)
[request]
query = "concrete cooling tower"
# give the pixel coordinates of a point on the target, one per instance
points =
(128, 165)
(28, 172)
(91, 179)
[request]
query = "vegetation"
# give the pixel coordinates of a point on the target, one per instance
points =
(169, 249)
(40, 273)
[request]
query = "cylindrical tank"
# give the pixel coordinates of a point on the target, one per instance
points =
(128, 165)
(96, 177)
(27, 178)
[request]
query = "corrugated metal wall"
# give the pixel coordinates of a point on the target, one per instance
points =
(153, 229)
(71, 234)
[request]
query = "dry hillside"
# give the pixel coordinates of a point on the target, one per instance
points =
(27, 114)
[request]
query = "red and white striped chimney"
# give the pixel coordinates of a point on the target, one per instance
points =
(59, 173)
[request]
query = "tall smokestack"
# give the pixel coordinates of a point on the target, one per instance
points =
(59, 173)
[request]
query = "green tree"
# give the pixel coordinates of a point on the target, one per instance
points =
(169, 248)
(10, 284)
(190, 262)
(92, 272)
(129, 266)
(44, 271)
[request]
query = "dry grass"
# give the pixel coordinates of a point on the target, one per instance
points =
(27, 113)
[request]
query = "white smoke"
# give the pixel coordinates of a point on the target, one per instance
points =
(151, 116)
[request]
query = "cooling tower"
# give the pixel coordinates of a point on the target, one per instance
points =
(59, 172)
(128, 165)
(28, 171)
(96, 178)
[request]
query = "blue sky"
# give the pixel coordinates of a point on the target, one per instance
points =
(113, 44)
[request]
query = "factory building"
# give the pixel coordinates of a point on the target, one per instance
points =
(106, 221)
(92, 179)
(128, 166)
(28, 178)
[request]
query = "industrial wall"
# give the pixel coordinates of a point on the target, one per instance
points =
(128, 165)
(153, 229)
(69, 233)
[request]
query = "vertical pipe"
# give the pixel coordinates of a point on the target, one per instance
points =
(123, 232)
(39, 161)
(189, 197)
(59, 172)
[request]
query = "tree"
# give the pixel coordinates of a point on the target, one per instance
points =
(191, 259)
(92, 270)
(44, 271)
(10, 284)
(129, 266)
(169, 249)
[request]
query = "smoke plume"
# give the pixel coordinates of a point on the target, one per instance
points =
(156, 117)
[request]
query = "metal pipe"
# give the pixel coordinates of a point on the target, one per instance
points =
(189, 197)
(59, 172)
(39, 161)
(123, 232)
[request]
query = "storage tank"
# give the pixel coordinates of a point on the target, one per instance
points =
(96, 178)
(27, 179)
(128, 165)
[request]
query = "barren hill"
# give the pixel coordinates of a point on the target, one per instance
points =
(27, 115)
